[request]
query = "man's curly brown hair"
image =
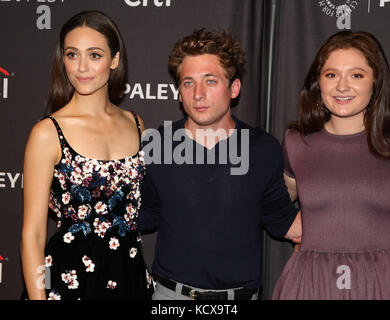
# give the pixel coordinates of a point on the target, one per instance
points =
(220, 43)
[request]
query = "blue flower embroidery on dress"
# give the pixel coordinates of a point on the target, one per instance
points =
(81, 194)
(118, 196)
(122, 224)
(84, 226)
(96, 203)
(97, 189)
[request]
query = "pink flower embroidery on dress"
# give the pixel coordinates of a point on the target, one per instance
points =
(111, 285)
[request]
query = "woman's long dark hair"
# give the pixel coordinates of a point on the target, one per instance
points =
(313, 114)
(61, 90)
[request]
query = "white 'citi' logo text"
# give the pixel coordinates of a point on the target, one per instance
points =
(2, 260)
(383, 2)
(38, 1)
(4, 83)
(145, 3)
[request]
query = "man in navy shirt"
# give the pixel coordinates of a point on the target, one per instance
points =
(212, 182)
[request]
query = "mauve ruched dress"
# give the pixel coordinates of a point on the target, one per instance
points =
(344, 194)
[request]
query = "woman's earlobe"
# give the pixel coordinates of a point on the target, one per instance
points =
(115, 61)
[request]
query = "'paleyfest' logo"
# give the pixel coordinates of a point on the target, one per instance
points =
(4, 83)
(337, 8)
(11, 180)
(148, 91)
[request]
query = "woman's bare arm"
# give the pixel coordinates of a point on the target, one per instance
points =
(41, 154)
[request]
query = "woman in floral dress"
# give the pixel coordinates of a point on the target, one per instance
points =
(85, 163)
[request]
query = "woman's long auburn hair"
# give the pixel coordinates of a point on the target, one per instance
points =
(313, 114)
(61, 90)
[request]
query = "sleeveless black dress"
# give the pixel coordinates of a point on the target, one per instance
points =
(96, 253)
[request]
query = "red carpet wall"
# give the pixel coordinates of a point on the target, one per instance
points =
(280, 37)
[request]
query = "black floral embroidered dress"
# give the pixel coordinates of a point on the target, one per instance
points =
(96, 253)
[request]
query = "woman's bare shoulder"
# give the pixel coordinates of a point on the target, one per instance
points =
(131, 115)
(44, 130)
(43, 141)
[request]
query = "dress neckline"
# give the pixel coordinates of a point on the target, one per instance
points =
(98, 160)
(62, 137)
(343, 136)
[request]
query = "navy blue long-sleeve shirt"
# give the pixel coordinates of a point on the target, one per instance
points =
(209, 221)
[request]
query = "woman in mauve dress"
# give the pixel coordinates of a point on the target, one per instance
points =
(337, 164)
